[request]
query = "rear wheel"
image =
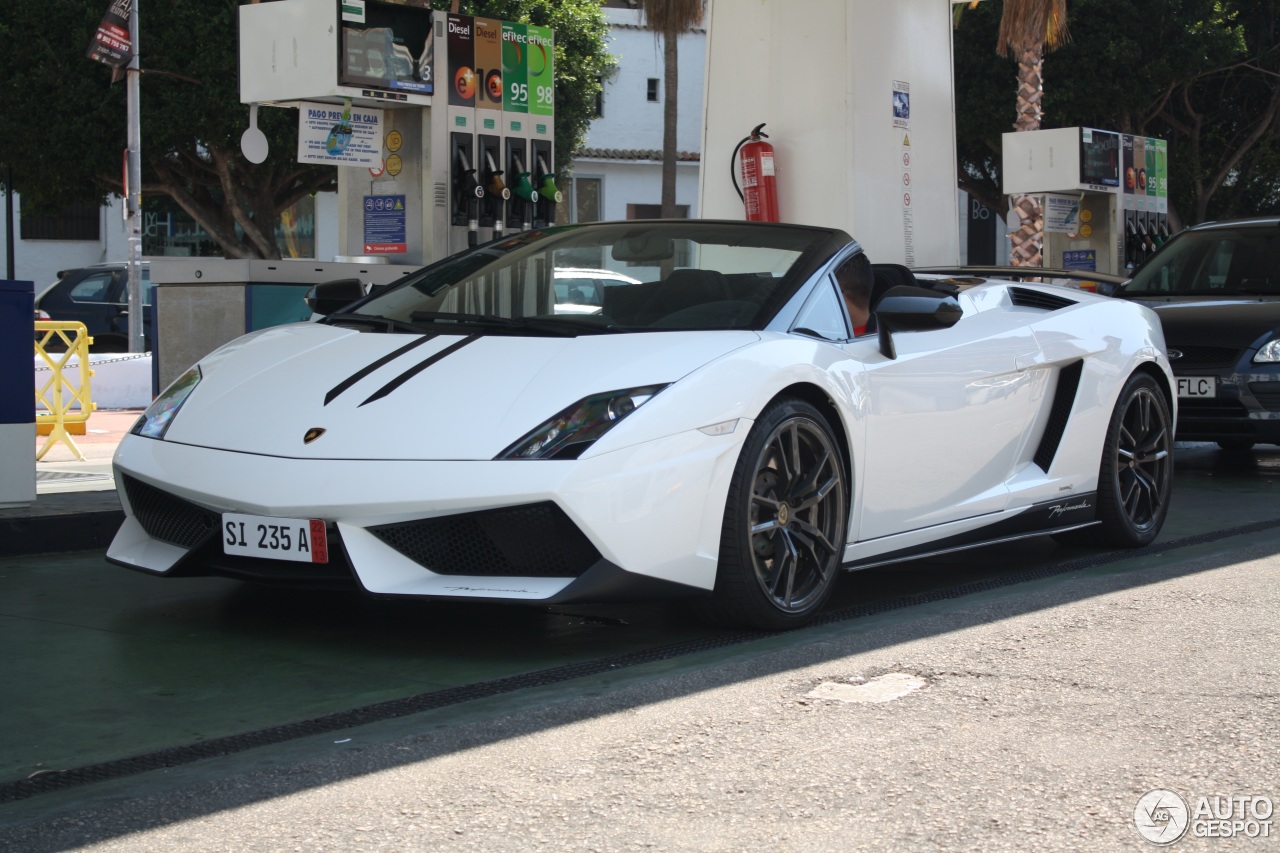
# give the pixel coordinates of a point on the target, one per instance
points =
(1236, 445)
(784, 524)
(1136, 477)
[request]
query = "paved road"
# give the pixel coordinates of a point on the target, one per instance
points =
(1047, 710)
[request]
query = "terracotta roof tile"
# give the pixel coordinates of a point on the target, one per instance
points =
(652, 154)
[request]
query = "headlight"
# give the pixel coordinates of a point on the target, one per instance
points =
(155, 421)
(1270, 353)
(573, 430)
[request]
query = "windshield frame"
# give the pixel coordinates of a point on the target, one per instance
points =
(813, 247)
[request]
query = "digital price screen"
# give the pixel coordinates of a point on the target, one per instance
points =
(1099, 157)
(387, 46)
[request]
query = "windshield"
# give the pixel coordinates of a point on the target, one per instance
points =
(1242, 261)
(624, 276)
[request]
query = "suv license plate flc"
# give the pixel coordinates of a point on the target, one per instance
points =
(1197, 386)
(301, 540)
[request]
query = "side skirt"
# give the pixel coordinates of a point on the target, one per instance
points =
(1040, 519)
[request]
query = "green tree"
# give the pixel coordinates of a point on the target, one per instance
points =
(1202, 74)
(71, 119)
(668, 19)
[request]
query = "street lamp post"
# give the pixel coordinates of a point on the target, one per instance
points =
(133, 192)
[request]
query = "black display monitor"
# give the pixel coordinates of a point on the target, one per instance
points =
(1099, 157)
(390, 49)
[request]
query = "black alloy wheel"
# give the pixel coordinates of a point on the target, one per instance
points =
(785, 522)
(1136, 477)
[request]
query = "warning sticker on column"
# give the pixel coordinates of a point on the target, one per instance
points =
(384, 225)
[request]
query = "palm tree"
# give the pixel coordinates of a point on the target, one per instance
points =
(1028, 30)
(668, 19)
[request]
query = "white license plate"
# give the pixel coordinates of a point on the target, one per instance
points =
(302, 540)
(1197, 386)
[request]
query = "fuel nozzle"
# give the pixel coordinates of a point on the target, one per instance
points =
(548, 190)
(548, 194)
(495, 196)
(465, 186)
(523, 188)
(493, 184)
(467, 195)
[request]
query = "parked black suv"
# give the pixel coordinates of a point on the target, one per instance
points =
(1216, 288)
(98, 297)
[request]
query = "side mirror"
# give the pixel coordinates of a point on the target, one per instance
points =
(913, 309)
(330, 296)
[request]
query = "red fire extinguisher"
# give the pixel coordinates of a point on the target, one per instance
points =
(759, 190)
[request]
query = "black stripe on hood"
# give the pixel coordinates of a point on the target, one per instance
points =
(418, 368)
(365, 371)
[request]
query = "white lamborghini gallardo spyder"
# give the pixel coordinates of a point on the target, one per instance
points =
(716, 429)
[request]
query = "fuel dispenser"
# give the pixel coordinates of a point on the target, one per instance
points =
(488, 115)
(467, 191)
(1105, 201)
(493, 205)
(523, 195)
(468, 95)
(1145, 198)
(544, 183)
(455, 40)
(498, 127)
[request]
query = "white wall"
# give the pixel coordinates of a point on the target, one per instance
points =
(636, 183)
(630, 119)
(40, 260)
(632, 123)
(821, 74)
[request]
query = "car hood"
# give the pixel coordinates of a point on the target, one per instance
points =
(1213, 320)
(396, 396)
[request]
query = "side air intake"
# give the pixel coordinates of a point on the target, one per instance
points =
(1064, 397)
(1025, 297)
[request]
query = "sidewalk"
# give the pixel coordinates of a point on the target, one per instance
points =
(70, 489)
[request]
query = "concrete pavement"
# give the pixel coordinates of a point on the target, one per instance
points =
(76, 507)
(1048, 710)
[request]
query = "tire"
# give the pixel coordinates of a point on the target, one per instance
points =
(784, 523)
(1135, 480)
(1236, 445)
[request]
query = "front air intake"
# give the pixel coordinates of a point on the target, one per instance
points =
(1026, 297)
(1064, 396)
(534, 540)
(168, 518)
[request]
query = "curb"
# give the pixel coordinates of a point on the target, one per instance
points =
(51, 534)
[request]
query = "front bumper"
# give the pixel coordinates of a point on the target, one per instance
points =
(640, 522)
(1246, 407)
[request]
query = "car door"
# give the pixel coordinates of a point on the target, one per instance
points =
(946, 419)
(87, 299)
(119, 320)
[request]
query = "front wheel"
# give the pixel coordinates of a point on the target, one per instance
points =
(1135, 480)
(784, 523)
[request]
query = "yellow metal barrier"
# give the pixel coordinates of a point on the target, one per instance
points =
(59, 402)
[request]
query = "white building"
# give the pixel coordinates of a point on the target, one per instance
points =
(618, 174)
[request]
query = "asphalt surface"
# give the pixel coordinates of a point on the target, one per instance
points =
(1045, 711)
